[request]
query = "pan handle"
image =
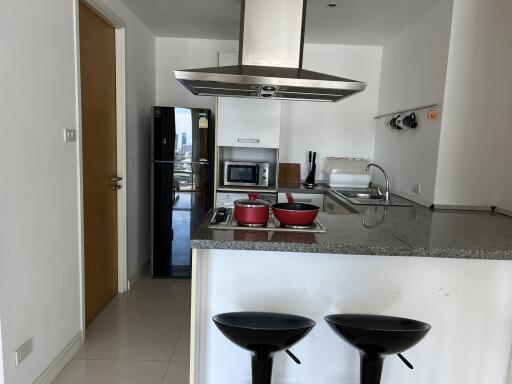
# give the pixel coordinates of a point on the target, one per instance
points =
(290, 198)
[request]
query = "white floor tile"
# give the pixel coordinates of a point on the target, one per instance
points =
(131, 337)
(143, 324)
(177, 373)
(112, 372)
(182, 351)
(134, 338)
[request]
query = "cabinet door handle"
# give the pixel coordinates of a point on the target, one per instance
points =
(303, 200)
(253, 141)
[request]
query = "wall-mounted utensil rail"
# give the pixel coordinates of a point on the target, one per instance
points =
(408, 110)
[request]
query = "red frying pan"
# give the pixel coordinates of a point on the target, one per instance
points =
(292, 213)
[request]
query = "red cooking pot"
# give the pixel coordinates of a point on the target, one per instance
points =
(295, 213)
(252, 211)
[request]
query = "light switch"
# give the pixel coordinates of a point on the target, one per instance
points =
(22, 352)
(69, 135)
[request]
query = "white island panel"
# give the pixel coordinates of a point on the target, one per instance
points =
(467, 302)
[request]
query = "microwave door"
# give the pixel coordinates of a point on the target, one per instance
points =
(240, 174)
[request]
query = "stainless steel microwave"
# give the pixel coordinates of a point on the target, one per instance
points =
(246, 173)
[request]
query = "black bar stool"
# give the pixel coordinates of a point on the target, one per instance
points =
(263, 333)
(375, 336)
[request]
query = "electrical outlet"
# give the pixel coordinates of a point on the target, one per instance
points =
(69, 135)
(416, 188)
(22, 352)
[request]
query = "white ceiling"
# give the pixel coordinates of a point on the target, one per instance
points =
(367, 22)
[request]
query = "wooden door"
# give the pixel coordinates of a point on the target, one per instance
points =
(99, 144)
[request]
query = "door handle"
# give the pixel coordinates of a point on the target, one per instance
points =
(116, 180)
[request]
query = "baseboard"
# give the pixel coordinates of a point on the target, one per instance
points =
(504, 211)
(58, 364)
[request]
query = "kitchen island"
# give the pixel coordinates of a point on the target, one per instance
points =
(448, 268)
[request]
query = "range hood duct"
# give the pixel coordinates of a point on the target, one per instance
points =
(269, 60)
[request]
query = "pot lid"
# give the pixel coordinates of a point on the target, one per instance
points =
(252, 201)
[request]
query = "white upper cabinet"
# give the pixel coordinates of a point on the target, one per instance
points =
(248, 122)
(244, 122)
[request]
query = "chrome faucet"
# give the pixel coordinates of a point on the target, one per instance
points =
(386, 192)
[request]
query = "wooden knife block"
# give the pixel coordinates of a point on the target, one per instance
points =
(289, 173)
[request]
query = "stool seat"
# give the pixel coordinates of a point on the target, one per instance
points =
(263, 333)
(375, 336)
(267, 331)
(386, 335)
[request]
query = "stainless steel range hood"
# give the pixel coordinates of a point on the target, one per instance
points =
(269, 60)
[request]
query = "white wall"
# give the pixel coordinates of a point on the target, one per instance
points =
(413, 73)
(473, 156)
(344, 128)
(175, 53)
(39, 263)
(1, 356)
(503, 176)
(39, 233)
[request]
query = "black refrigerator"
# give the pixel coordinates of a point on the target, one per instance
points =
(182, 149)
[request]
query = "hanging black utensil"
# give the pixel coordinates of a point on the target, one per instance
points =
(410, 120)
(392, 123)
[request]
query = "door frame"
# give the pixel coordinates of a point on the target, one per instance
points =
(120, 45)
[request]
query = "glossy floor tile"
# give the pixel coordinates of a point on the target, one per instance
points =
(178, 373)
(113, 372)
(182, 351)
(142, 336)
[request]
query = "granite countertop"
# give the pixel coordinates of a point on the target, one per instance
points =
(380, 231)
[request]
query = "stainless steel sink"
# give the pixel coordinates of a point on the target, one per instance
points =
(370, 197)
(359, 195)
